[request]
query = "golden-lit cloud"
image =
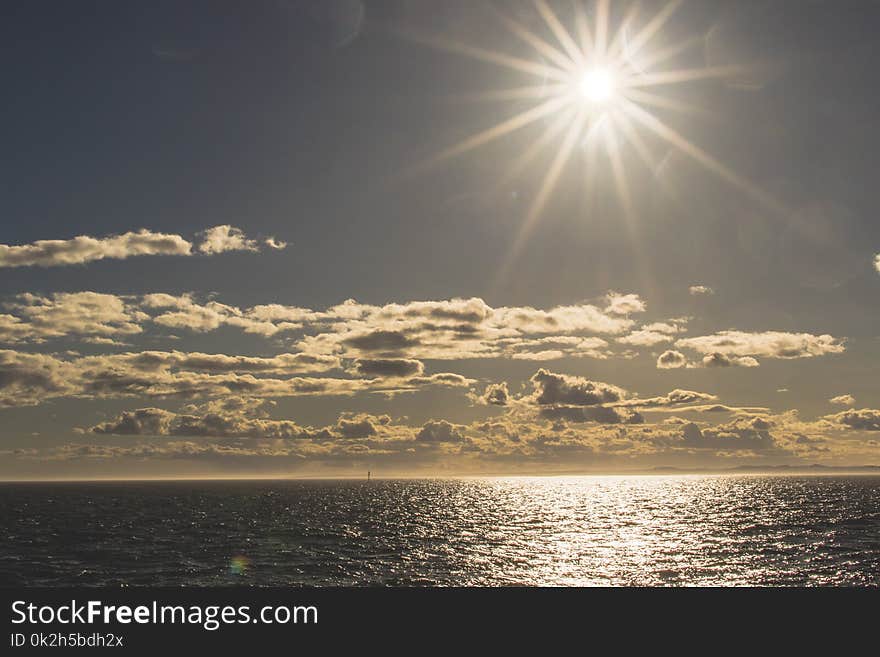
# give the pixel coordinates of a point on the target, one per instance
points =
(767, 344)
(83, 249)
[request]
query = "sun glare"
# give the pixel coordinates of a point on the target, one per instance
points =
(597, 86)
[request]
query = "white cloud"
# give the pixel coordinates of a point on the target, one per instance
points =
(38, 318)
(82, 249)
(276, 244)
(697, 290)
(220, 239)
(843, 400)
(623, 304)
(769, 344)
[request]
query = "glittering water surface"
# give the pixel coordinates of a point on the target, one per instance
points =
(653, 530)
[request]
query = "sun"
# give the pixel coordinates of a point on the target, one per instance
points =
(597, 85)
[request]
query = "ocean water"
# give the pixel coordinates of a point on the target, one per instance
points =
(651, 530)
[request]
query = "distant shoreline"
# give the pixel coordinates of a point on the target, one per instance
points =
(782, 470)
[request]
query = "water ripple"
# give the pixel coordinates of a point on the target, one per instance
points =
(660, 530)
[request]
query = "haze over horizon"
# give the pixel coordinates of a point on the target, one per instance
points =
(315, 238)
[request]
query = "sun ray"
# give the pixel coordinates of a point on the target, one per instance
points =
(663, 54)
(616, 47)
(685, 75)
(526, 92)
(583, 29)
(629, 214)
(512, 124)
(663, 102)
(562, 35)
(693, 151)
(653, 26)
(619, 176)
(635, 140)
(552, 131)
(489, 56)
(601, 27)
(548, 184)
(553, 173)
(541, 46)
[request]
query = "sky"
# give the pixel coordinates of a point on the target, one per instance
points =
(303, 238)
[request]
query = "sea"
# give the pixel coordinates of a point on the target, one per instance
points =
(675, 530)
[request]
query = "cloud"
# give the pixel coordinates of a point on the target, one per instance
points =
(38, 318)
(698, 290)
(220, 239)
(244, 420)
(741, 434)
(83, 248)
(140, 422)
(381, 341)
(594, 433)
(721, 360)
(361, 426)
(221, 363)
(671, 359)
(29, 379)
(676, 397)
(769, 344)
(552, 388)
(652, 334)
(420, 330)
(275, 244)
(843, 400)
(388, 367)
(866, 419)
(599, 414)
(623, 304)
(495, 394)
(877, 262)
(440, 431)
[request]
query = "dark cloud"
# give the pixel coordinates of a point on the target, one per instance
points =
(359, 428)
(717, 359)
(599, 414)
(866, 419)
(388, 367)
(495, 394)
(440, 431)
(388, 341)
(551, 388)
(745, 434)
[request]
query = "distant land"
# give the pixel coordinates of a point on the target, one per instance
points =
(813, 468)
(810, 469)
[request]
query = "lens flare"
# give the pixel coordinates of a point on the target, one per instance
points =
(239, 565)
